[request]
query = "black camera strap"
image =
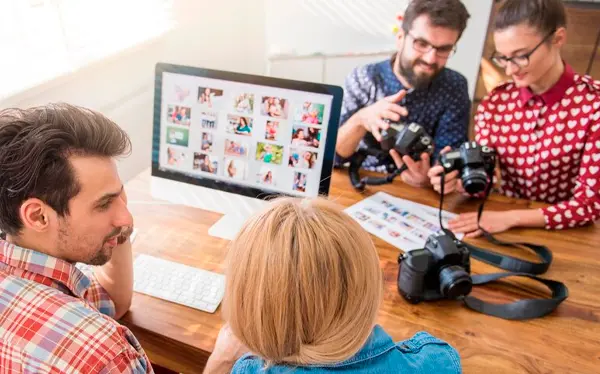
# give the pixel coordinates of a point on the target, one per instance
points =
(506, 262)
(414, 144)
(502, 261)
(522, 309)
(356, 163)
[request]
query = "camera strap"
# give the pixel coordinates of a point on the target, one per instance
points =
(506, 262)
(522, 309)
(356, 163)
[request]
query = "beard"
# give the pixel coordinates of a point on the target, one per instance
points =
(100, 258)
(84, 249)
(406, 68)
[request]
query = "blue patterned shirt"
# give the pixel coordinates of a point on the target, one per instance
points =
(443, 109)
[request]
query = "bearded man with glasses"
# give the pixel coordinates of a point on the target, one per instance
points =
(413, 86)
(544, 125)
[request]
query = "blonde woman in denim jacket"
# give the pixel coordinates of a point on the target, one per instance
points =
(303, 290)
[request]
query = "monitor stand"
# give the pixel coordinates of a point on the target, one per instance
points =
(227, 227)
(235, 208)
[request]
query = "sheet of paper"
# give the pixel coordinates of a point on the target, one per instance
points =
(402, 223)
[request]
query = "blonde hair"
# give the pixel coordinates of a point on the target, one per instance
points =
(303, 283)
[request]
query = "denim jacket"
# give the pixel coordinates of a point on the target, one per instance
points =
(421, 354)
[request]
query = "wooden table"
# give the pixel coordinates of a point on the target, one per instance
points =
(568, 340)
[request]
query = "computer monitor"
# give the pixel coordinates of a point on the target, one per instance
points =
(225, 142)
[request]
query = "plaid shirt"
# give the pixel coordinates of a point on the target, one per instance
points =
(56, 319)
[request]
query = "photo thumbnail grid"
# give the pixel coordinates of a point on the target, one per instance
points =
(246, 136)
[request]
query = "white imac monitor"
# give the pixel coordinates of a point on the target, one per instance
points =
(226, 142)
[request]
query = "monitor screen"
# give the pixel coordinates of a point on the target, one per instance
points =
(245, 134)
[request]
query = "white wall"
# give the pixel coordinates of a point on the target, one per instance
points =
(331, 26)
(362, 36)
(209, 35)
(470, 47)
(227, 35)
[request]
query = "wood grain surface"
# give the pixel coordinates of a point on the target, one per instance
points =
(180, 338)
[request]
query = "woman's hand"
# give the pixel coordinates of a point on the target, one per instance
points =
(451, 181)
(228, 349)
(492, 222)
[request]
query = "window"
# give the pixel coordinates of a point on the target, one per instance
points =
(42, 39)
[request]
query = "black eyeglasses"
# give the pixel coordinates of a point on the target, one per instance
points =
(423, 46)
(521, 61)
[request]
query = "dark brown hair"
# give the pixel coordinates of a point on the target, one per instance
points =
(544, 15)
(35, 146)
(451, 14)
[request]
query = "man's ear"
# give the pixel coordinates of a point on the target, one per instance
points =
(35, 215)
(400, 37)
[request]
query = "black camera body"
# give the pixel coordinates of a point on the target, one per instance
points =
(441, 270)
(408, 140)
(475, 163)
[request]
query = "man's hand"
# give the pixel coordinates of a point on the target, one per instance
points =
(116, 276)
(492, 222)
(228, 349)
(373, 117)
(126, 231)
(125, 234)
(416, 173)
(369, 119)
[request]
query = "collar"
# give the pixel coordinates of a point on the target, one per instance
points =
(389, 76)
(555, 93)
(377, 344)
(45, 265)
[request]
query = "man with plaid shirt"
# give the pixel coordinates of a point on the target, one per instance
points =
(61, 204)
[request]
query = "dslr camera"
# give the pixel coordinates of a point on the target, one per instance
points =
(408, 140)
(441, 270)
(475, 164)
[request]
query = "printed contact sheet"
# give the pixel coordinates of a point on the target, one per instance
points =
(402, 223)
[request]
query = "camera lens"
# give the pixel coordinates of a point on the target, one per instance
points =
(454, 282)
(474, 180)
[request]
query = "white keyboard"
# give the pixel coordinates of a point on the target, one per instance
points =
(181, 284)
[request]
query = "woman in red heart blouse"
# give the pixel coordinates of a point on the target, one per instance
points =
(543, 125)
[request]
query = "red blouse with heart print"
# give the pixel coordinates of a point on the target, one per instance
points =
(548, 145)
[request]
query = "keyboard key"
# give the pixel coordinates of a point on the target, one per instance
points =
(178, 283)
